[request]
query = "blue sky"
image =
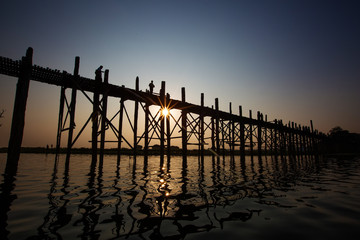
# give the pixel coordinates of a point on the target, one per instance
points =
(292, 60)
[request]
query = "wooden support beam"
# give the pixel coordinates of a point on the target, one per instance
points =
(162, 122)
(183, 125)
(146, 145)
(259, 132)
(232, 133)
(308, 139)
(168, 130)
(297, 140)
(276, 131)
(217, 131)
(104, 114)
(283, 139)
(242, 135)
(265, 136)
(60, 120)
(18, 118)
(289, 139)
(72, 109)
(202, 133)
(293, 148)
(223, 133)
(213, 147)
(302, 140)
(121, 117)
(251, 135)
(136, 114)
(312, 133)
(95, 116)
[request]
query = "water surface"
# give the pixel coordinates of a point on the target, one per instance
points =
(302, 198)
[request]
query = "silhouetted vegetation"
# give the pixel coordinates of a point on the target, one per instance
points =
(340, 141)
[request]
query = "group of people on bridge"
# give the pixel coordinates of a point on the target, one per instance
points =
(99, 71)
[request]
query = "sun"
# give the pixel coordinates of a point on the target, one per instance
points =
(165, 112)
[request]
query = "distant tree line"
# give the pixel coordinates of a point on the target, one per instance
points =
(340, 141)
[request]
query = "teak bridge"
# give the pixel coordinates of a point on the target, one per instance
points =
(224, 132)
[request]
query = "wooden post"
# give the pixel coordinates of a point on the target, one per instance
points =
(303, 141)
(121, 117)
(289, 139)
(217, 137)
(293, 148)
(283, 139)
(222, 137)
(312, 132)
(309, 140)
(72, 109)
(104, 113)
(95, 117)
(265, 136)
(271, 145)
(162, 122)
(212, 132)
(60, 121)
(301, 146)
(251, 134)
(183, 125)
(276, 131)
(18, 119)
(242, 135)
(146, 145)
(136, 113)
(232, 133)
(259, 133)
(296, 140)
(168, 131)
(202, 129)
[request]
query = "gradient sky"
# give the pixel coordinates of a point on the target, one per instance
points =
(292, 60)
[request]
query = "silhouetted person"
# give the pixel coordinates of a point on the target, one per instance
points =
(151, 86)
(98, 72)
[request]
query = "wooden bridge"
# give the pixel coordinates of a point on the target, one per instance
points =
(222, 132)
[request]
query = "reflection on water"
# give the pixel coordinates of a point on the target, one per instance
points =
(201, 198)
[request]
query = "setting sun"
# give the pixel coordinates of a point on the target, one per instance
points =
(165, 112)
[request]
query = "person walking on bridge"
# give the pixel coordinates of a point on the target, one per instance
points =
(151, 86)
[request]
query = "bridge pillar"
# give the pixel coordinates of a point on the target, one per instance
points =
(217, 137)
(259, 133)
(201, 138)
(213, 147)
(183, 126)
(242, 135)
(136, 113)
(168, 131)
(265, 136)
(95, 117)
(104, 113)
(162, 123)
(18, 119)
(121, 117)
(72, 109)
(146, 145)
(60, 121)
(231, 133)
(251, 134)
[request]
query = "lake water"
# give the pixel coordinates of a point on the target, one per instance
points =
(217, 198)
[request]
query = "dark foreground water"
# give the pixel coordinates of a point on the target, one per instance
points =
(214, 199)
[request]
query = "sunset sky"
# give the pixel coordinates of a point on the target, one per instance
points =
(290, 59)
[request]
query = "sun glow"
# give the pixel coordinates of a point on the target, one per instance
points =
(165, 112)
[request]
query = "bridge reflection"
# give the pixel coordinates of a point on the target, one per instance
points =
(149, 198)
